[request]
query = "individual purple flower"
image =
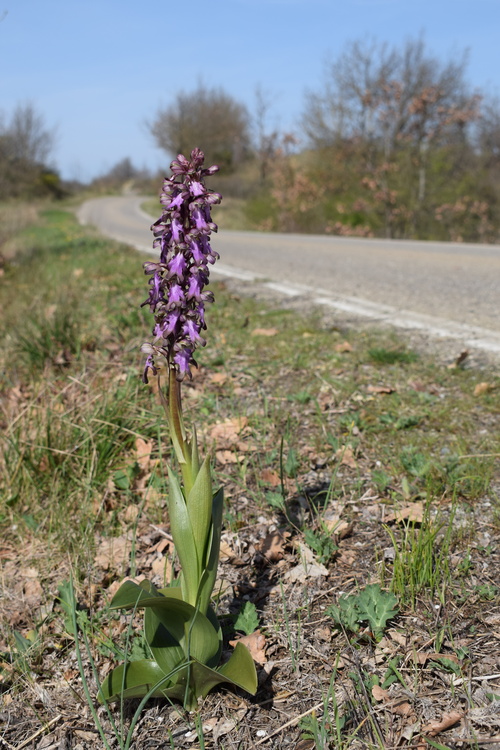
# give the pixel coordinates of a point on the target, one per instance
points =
(177, 294)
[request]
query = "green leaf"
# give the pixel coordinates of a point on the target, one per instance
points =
(199, 506)
(209, 575)
(175, 630)
(66, 598)
(345, 613)
(193, 681)
(131, 595)
(376, 607)
(240, 669)
(183, 537)
(23, 644)
(371, 605)
(133, 680)
(247, 620)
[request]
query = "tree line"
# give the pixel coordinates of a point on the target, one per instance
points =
(392, 143)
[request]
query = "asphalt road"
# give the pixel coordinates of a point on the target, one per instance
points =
(446, 289)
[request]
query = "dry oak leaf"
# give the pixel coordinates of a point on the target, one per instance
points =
(482, 388)
(227, 457)
(113, 553)
(162, 566)
(447, 721)
(272, 546)
(218, 378)
(32, 588)
(380, 389)
(399, 707)
(228, 431)
(345, 346)
(270, 477)
(225, 551)
(413, 512)
(380, 694)
(264, 332)
(338, 527)
(346, 456)
(255, 643)
(143, 450)
(305, 570)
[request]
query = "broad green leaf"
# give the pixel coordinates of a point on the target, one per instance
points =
(133, 680)
(174, 628)
(209, 575)
(199, 506)
(191, 682)
(240, 669)
(182, 534)
(131, 595)
(195, 456)
(187, 628)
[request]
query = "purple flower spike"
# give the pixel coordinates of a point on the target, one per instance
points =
(176, 296)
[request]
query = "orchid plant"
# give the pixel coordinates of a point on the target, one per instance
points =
(181, 630)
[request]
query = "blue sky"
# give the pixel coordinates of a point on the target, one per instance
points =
(98, 69)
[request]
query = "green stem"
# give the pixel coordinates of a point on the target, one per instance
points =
(173, 410)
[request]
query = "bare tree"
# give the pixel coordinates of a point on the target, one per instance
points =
(208, 118)
(28, 137)
(25, 148)
(266, 140)
(395, 105)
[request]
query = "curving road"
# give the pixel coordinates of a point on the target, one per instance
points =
(444, 289)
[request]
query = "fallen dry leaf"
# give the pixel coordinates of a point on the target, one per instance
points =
(143, 450)
(397, 706)
(255, 643)
(413, 512)
(380, 389)
(264, 332)
(340, 528)
(447, 721)
(270, 477)
(305, 570)
(130, 513)
(345, 346)
(416, 385)
(482, 388)
(227, 457)
(225, 551)
(227, 433)
(218, 378)
(113, 553)
(380, 694)
(346, 456)
(272, 547)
